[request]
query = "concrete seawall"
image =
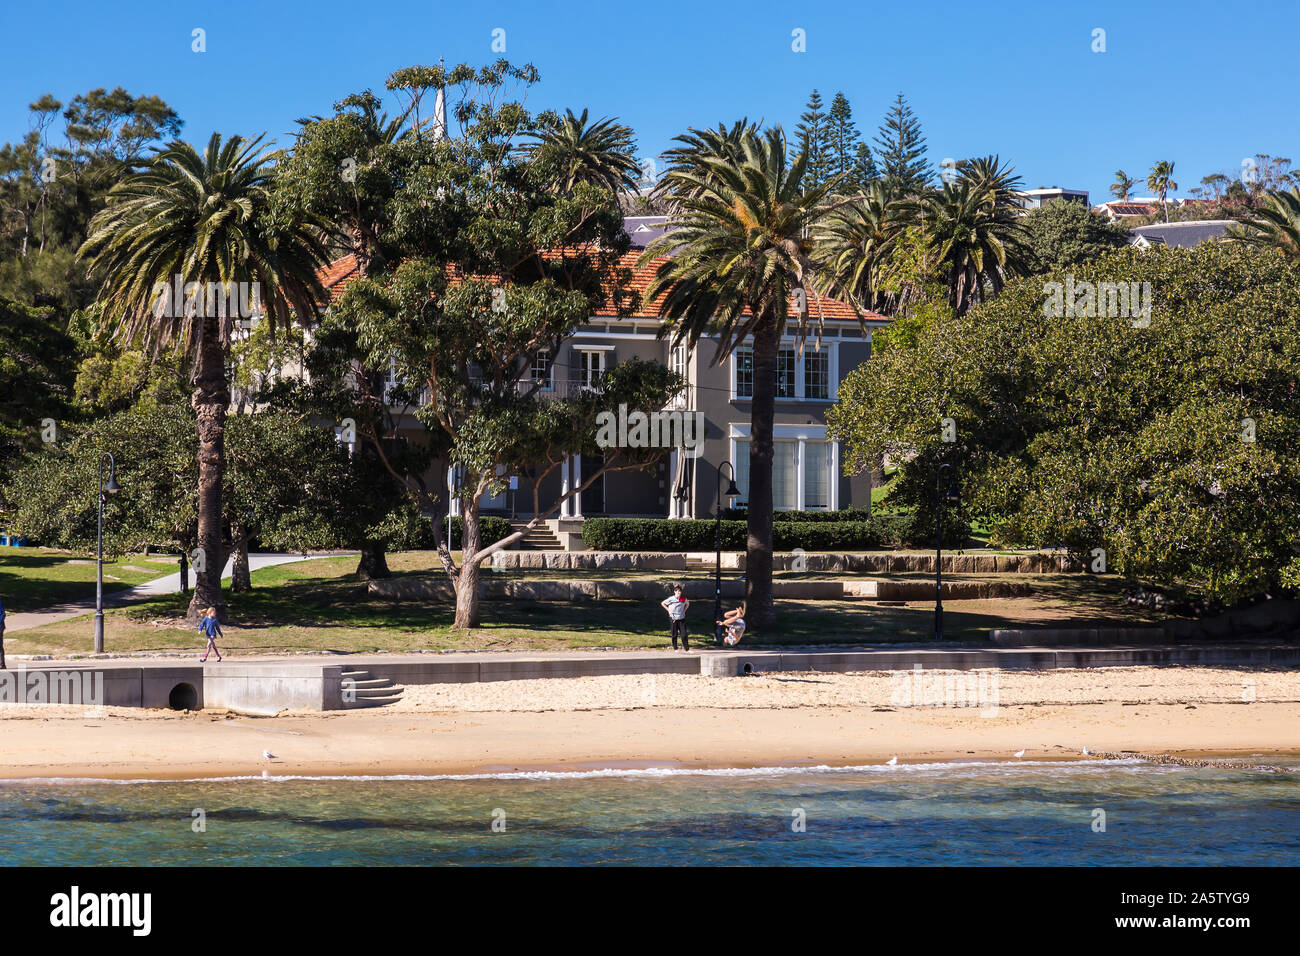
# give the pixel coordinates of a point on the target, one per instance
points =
(270, 686)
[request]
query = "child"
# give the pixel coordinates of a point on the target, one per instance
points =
(676, 607)
(734, 622)
(210, 626)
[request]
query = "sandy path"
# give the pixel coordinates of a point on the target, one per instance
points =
(691, 721)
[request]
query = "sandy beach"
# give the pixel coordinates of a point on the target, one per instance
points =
(785, 719)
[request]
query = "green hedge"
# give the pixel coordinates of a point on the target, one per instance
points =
(491, 529)
(417, 534)
(661, 534)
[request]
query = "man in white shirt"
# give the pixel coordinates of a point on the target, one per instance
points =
(676, 607)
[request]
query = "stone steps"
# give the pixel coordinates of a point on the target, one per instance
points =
(362, 689)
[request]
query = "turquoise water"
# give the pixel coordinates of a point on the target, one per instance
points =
(955, 814)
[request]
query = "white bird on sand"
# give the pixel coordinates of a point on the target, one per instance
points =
(268, 755)
(1020, 753)
(1087, 752)
(892, 761)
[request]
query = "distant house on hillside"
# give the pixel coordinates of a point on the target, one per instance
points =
(1179, 235)
(1037, 198)
(1143, 206)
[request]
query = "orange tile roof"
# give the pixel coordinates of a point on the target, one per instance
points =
(338, 275)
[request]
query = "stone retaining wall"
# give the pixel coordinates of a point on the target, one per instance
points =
(878, 562)
(439, 589)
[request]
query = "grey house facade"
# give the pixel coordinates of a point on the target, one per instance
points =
(807, 472)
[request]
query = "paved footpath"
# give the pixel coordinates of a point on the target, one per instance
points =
(167, 584)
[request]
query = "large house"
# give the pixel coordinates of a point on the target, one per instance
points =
(807, 473)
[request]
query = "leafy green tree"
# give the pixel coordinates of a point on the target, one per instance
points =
(36, 356)
(901, 149)
(739, 254)
(1065, 234)
(534, 246)
(854, 246)
(1173, 446)
(207, 219)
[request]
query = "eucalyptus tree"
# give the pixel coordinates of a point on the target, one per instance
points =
(738, 255)
(205, 223)
(494, 251)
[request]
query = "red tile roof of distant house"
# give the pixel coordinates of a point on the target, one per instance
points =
(339, 274)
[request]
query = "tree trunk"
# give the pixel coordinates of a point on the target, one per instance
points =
(240, 578)
(760, 614)
(467, 610)
(374, 561)
(211, 398)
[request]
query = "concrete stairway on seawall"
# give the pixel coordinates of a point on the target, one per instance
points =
(362, 689)
(540, 538)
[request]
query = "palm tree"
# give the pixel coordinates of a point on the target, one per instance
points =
(1161, 180)
(577, 152)
(205, 219)
(1276, 224)
(854, 244)
(1122, 187)
(999, 183)
(738, 251)
(977, 234)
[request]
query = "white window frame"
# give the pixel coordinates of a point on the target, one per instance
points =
(547, 385)
(800, 391)
(800, 434)
(591, 350)
(679, 362)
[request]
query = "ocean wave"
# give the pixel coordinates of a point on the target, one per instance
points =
(941, 768)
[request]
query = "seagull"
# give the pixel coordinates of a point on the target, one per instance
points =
(1087, 752)
(270, 756)
(1020, 753)
(892, 761)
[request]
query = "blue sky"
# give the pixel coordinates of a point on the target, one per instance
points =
(1203, 84)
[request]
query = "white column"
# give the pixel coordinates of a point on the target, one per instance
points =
(674, 506)
(577, 483)
(798, 475)
(564, 487)
(453, 500)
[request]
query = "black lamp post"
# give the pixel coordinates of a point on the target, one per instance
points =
(732, 493)
(945, 492)
(111, 488)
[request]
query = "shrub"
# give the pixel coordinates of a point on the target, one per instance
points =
(802, 517)
(660, 534)
(419, 537)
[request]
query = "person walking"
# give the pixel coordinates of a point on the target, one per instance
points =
(676, 607)
(210, 626)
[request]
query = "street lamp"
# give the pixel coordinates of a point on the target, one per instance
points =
(111, 488)
(732, 493)
(944, 492)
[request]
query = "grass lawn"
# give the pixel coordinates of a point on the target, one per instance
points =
(319, 605)
(34, 578)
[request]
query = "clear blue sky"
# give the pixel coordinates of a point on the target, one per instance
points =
(1203, 84)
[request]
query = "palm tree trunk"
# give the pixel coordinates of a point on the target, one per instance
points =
(210, 399)
(760, 614)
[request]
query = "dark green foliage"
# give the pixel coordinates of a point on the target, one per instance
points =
(657, 534)
(901, 149)
(1065, 234)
